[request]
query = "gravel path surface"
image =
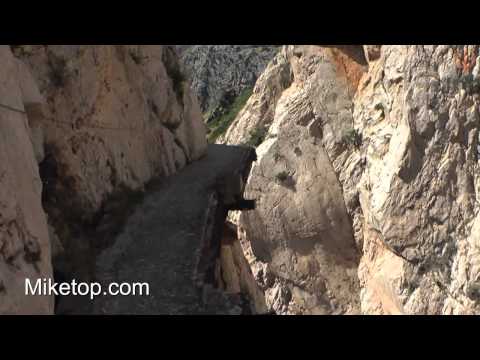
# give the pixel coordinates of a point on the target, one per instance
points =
(161, 239)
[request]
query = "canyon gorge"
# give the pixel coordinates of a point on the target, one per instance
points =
(242, 179)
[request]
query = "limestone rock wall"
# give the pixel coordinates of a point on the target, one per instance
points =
(367, 180)
(99, 119)
(259, 111)
(235, 275)
(114, 116)
(418, 111)
(301, 235)
(24, 241)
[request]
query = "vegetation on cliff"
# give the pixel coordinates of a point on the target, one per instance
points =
(219, 125)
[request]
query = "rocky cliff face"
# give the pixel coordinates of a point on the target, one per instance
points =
(367, 180)
(24, 241)
(418, 110)
(219, 73)
(115, 115)
(106, 118)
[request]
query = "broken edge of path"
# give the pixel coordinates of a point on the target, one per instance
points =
(172, 240)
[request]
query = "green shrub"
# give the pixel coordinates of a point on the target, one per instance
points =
(282, 176)
(58, 72)
(352, 138)
(221, 124)
(277, 156)
(257, 136)
(469, 84)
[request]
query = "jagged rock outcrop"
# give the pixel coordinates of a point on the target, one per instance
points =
(104, 118)
(234, 274)
(24, 244)
(301, 234)
(219, 73)
(418, 111)
(371, 151)
(260, 110)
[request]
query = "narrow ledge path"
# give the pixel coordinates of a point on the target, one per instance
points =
(160, 242)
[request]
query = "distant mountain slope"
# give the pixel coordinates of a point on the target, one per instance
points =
(220, 73)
